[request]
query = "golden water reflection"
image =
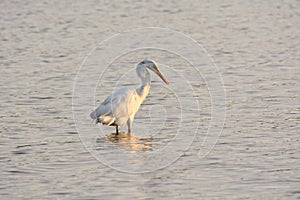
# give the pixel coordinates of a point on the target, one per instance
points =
(127, 141)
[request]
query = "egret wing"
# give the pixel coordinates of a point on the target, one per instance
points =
(123, 106)
(120, 104)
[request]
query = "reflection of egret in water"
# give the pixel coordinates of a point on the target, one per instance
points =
(125, 141)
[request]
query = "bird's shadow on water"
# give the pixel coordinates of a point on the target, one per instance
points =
(126, 142)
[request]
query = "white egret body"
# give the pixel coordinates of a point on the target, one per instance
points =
(120, 108)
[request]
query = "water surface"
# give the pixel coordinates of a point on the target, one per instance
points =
(256, 47)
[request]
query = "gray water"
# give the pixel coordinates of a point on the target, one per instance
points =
(256, 48)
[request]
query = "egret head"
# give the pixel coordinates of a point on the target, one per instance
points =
(153, 67)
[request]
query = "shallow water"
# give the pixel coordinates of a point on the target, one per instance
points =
(256, 48)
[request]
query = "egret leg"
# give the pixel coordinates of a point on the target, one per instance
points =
(129, 124)
(117, 130)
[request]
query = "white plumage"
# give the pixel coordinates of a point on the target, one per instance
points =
(120, 108)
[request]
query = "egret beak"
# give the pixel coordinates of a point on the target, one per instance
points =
(162, 77)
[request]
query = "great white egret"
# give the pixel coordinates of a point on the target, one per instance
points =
(119, 108)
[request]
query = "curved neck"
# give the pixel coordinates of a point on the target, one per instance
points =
(143, 91)
(144, 74)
